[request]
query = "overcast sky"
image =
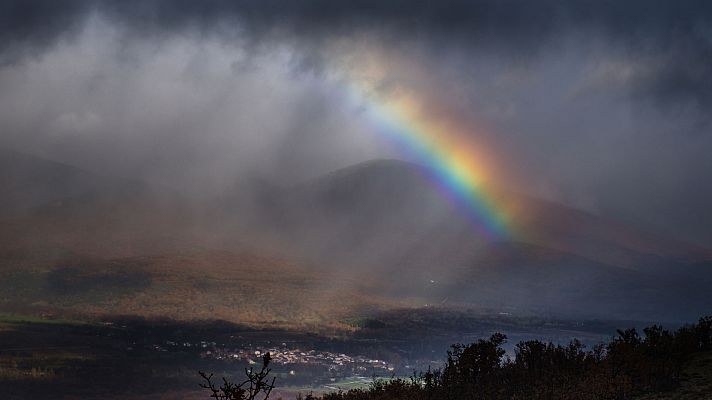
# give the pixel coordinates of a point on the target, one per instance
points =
(603, 105)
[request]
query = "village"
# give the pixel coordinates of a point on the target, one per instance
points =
(283, 355)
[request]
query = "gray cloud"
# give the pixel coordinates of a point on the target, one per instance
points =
(677, 34)
(604, 105)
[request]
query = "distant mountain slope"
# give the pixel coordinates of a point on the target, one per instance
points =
(568, 229)
(31, 182)
(368, 214)
(395, 199)
(386, 217)
(382, 222)
(55, 207)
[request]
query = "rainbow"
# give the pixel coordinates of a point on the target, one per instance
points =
(448, 156)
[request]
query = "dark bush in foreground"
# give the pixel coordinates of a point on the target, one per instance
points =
(256, 385)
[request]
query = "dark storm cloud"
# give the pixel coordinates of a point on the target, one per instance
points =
(677, 34)
(30, 27)
(508, 20)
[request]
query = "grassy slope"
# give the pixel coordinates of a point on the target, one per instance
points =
(696, 381)
(207, 284)
(83, 261)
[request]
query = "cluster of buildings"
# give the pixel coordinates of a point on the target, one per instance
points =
(285, 356)
(293, 360)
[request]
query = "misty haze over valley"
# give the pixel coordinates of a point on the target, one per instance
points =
(354, 186)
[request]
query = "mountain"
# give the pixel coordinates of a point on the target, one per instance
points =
(49, 206)
(387, 217)
(371, 236)
(383, 199)
(31, 183)
(78, 244)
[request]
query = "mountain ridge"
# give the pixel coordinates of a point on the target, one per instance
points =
(372, 221)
